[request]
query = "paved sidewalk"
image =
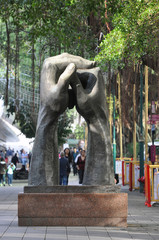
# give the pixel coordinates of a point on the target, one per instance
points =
(143, 222)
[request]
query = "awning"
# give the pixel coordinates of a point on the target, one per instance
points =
(7, 134)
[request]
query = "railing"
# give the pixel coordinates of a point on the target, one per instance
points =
(134, 175)
(125, 170)
(151, 184)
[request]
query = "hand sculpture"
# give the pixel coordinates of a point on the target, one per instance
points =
(89, 89)
(56, 75)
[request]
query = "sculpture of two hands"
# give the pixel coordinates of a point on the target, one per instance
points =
(88, 91)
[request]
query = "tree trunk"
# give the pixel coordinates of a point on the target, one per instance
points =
(16, 81)
(40, 61)
(7, 62)
(33, 75)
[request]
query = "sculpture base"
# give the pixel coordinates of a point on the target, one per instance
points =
(65, 208)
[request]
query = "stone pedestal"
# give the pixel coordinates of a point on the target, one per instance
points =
(72, 206)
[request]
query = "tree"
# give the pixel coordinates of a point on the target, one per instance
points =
(64, 126)
(80, 132)
(32, 30)
(134, 33)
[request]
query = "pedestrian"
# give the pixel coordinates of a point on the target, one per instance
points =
(79, 154)
(68, 155)
(3, 168)
(69, 158)
(64, 166)
(15, 159)
(80, 165)
(74, 155)
(9, 154)
(24, 158)
(10, 171)
(29, 157)
(2, 154)
(20, 156)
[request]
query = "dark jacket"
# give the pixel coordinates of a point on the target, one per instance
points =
(64, 167)
(15, 159)
(3, 167)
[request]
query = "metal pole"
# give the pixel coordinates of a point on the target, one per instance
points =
(141, 131)
(114, 141)
(134, 123)
(120, 117)
(146, 112)
(110, 116)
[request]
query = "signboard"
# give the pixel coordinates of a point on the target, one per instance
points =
(153, 107)
(118, 166)
(127, 172)
(153, 119)
(156, 185)
(137, 175)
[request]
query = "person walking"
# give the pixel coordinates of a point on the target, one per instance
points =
(68, 156)
(9, 154)
(80, 165)
(74, 155)
(10, 171)
(3, 168)
(64, 168)
(15, 159)
(24, 158)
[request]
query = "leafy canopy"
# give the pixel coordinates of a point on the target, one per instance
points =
(134, 31)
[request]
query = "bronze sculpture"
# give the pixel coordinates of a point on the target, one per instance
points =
(87, 87)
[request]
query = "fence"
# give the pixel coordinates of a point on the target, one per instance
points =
(151, 184)
(118, 166)
(125, 170)
(134, 175)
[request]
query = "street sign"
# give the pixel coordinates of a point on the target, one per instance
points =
(153, 118)
(151, 122)
(153, 107)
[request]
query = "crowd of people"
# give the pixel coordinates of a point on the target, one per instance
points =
(69, 159)
(74, 159)
(8, 163)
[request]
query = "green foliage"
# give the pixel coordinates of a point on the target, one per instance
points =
(52, 27)
(134, 31)
(23, 118)
(79, 132)
(130, 149)
(112, 49)
(64, 126)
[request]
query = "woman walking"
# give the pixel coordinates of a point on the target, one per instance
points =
(80, 165)
(10, 171)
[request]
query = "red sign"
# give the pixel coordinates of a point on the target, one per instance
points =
(154, 117)
(151, 122)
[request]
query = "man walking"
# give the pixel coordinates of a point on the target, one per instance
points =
(64, 169)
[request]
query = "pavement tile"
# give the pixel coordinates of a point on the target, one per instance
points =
(100, 233)
(11, 238)
(77, 233)
(13, 234)
(36, 229)
(52, 237)
(141, 236)
(3, 229)
(33, 238)
(34, 235)
(154, 236)
(119, 234)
